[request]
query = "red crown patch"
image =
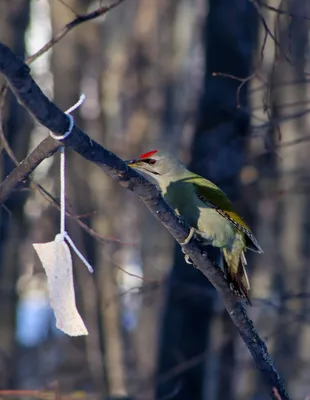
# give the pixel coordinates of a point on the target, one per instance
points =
(148, 154)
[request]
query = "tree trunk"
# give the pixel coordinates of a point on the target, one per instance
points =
(14, 18)
(198, 341)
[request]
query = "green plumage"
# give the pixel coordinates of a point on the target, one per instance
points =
(206, 208)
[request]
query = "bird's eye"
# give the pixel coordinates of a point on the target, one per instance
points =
(150, 161)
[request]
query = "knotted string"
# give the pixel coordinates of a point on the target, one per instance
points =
(63, 235)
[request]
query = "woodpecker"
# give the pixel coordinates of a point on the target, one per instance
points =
(206, 209)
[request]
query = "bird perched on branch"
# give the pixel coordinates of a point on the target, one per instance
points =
(207, 209)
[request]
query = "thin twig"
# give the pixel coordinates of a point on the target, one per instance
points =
(80, 19)
(242, 80)
(247, 78)
(282, 12)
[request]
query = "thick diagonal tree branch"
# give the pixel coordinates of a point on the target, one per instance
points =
(49, 115)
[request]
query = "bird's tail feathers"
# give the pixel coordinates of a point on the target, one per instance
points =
(236, 273)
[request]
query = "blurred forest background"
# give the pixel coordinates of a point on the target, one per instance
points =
(222, 84)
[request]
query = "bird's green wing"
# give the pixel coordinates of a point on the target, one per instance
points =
(214, 197)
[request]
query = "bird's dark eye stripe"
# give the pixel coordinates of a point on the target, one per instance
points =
(149, 161)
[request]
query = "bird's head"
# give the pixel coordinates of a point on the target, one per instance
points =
(157, 164)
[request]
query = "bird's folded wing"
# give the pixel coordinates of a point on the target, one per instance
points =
(214, 197)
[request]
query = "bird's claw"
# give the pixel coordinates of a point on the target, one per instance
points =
(186, 257)
(189, 237)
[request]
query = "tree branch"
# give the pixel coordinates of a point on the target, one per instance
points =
(49, 115)
(80, 19)
(282, 12)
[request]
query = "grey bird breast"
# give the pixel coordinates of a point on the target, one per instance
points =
(217, 230)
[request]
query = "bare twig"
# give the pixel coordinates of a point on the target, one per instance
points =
(267, 29)
(80, 19)
(47, 113)
(242, 80)
(245, 80)
(282, 12)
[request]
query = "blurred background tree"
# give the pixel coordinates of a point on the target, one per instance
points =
(222, 84)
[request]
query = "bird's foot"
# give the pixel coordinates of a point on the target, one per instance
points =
(186, 257)
(189, 237)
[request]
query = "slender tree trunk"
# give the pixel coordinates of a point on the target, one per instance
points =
(14, 18)
(290, 330)
(196, 328)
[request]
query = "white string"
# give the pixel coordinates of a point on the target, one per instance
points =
(63, 234)
(78, 253)
(71, 119)
(62, 192)
(77, 104)
(66, 134)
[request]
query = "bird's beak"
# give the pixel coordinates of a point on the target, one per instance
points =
(133, 163)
